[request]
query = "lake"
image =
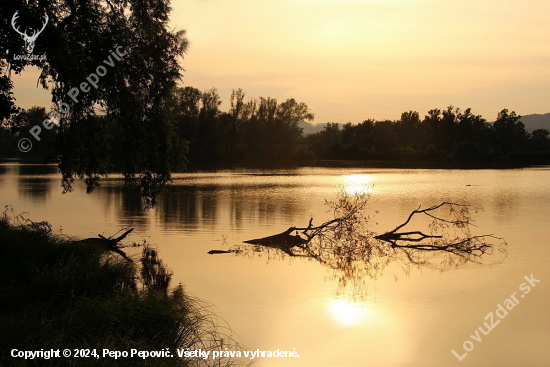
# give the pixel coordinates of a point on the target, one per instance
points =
(402, 316)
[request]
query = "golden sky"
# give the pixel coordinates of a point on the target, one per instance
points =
(350, 60)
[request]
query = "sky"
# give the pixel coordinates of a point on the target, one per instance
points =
(351, 60)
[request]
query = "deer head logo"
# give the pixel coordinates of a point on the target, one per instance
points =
(29, 40)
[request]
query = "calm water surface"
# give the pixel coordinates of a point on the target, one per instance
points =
(403, 318)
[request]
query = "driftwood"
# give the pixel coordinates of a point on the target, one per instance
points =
(111, 244)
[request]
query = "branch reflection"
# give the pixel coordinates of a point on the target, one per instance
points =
(440, 238)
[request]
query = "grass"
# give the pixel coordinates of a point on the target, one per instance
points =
(57, 293)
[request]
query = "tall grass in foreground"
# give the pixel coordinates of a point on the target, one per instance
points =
(57, 293)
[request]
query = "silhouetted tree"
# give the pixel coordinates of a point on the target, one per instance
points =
(272, 132)
(450, 128)
(24, 121)
(539, 140)
(384, 135)
(7, 100)
(135, 89)
(431, 130)
(321, 142)
(409, 123)
(510, 132)
(206, 143)
(238, 114)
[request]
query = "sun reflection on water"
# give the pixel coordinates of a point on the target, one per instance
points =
(358, 184)
(347, 314)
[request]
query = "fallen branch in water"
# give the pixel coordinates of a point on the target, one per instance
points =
(346, 236)
(346, 244)
(112, 244)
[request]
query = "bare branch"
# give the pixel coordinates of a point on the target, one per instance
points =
(346, 244)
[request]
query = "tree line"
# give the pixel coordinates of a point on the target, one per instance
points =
(445, 135)
(200, 134)
(257, 130)
(138, 122)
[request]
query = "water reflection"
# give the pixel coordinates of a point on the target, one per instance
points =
(36, 189)
(126, 202)
(355, 253)
(357, 183)
(506, 203)
(187, 207)
(347, 314)
(277, 305)
(182, 206)
(36, 169)
(3, 171)
(33, 181)
(192, 205)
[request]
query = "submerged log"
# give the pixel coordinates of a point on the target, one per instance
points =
(282, 239)
(212, 252)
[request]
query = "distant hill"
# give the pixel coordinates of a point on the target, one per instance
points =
(536, 121)
(532, 122)
(310, 128)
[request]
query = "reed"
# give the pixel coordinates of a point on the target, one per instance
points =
(57, 293)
